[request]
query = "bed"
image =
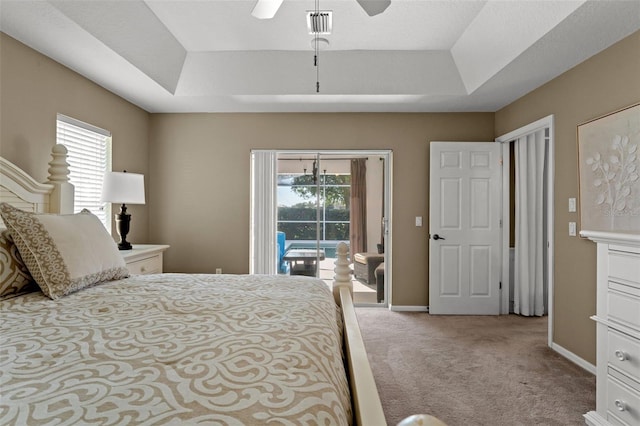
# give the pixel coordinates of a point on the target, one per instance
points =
(93, 345)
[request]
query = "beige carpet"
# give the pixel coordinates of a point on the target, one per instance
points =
(473, 370)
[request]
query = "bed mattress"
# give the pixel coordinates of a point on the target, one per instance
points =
(175, 349)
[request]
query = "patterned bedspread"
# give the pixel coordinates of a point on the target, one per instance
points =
(175, 349)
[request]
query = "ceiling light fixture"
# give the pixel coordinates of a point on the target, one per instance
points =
(322, 42)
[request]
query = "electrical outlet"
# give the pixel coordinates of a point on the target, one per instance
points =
(418, 220)
(572, 205)
(572, 229)
(218, 270)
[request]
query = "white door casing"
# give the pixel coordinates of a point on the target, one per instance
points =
(546, 122)
(465, 234)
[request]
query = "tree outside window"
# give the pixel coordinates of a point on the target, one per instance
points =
(298, 206)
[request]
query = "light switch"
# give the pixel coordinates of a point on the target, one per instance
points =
(418, 220)
(572, 205)
(572, 229)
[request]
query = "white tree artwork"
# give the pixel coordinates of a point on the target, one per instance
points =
(615, 173)
(609, 157)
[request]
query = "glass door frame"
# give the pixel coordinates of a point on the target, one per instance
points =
(263, 244)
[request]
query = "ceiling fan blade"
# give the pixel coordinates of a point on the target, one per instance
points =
(374, 7)
(266, 9)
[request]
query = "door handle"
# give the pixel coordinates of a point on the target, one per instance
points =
(437, 237)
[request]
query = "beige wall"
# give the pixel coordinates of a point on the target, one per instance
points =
(199, 180)
(34, 88)
(605, 83)
(197, 165)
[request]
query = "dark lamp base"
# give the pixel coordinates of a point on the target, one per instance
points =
(123, 220)
(125, 245)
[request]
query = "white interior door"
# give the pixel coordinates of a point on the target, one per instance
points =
(465, 235)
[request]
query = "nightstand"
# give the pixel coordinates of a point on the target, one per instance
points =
(144, 258)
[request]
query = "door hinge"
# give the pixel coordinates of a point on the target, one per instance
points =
(500, 223)
(500, 161)
(500, 285)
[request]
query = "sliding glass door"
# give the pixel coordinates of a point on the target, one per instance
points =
(318, 199)
(313, 197)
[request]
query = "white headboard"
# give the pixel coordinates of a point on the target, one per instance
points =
(21, 190)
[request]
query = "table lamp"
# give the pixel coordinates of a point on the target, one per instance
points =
(123, 188)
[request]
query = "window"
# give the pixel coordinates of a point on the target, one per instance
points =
(89, 158)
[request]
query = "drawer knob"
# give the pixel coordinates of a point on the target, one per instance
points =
(621, 355)
(620, 405)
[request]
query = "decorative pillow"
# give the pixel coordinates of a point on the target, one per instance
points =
(64, 253)
(14, 275)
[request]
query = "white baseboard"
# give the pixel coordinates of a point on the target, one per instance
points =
(400, 308)
(594, 419)
(574, 358)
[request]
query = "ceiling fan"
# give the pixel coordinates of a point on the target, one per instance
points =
(266, 9)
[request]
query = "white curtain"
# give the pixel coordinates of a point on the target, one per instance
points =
(263, 244)
(530, 235)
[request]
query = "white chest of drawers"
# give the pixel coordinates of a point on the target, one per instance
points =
(618, 330)
(144, 258)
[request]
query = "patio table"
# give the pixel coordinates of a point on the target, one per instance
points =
(304, 261)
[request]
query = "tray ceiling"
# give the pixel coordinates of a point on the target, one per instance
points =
(417, 56)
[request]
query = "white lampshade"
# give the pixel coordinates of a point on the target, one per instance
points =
(123, 188)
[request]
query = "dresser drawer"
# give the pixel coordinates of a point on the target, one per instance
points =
(624, 353)
(150, 265)
(623, 307)
(624, 267)
(623, 403)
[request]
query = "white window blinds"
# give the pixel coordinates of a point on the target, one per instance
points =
(89, 158)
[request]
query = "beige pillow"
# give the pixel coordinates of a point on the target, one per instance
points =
(14, 275)
(64, 253)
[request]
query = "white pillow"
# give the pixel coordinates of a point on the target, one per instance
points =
(64, 253)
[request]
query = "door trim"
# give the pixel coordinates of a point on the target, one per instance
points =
(546, 122)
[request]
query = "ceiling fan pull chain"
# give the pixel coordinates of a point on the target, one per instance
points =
(317, 77)
(315, 57)
(315, 61)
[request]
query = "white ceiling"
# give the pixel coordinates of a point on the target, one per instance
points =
(417, 56)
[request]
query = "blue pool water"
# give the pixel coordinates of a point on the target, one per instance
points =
(329, 247)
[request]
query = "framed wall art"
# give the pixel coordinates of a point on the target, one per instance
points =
(609, 169)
